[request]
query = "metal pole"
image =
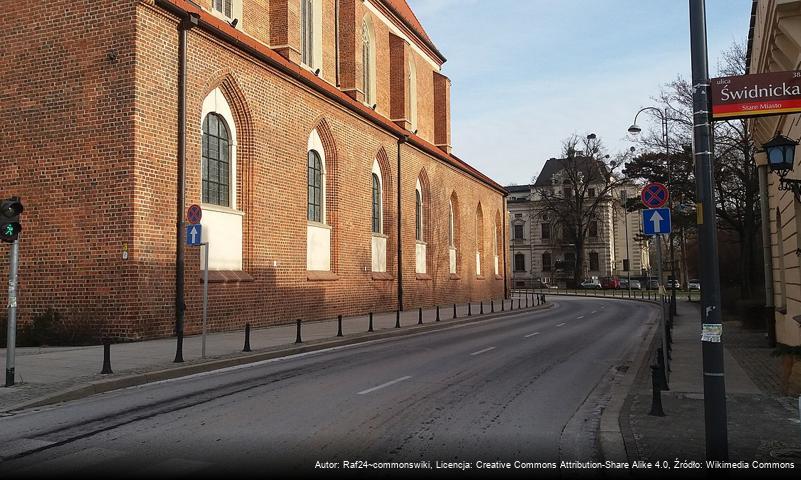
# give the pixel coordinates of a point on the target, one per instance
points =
(205, 296)
(670, 206)
(11, 336)
(712, 348)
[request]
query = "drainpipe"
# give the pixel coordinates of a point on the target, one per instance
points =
(336, 42)
(401, 141)
(505, 243)
(770, 320)
(186, 24)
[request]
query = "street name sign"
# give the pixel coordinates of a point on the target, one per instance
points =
(193, 235)
(741, 96)
(656, 221)
(654, 195)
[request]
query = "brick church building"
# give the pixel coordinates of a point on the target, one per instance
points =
(315, 135)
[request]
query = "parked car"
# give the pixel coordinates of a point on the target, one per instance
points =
(694, 284)
(623, 283)
(591, 284)
(610, 282)
(541, 284)
(672, 283)
(653, 284)
(635, 285)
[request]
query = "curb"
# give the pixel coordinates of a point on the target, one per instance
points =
(103, 386)
(610, 436)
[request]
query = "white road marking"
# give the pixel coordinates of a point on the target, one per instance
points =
(482, 351)
(579, 318)
(560, 324)
(594, 311)
(393, 382)
(532, 334)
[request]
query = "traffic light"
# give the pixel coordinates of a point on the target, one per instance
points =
(9, 219)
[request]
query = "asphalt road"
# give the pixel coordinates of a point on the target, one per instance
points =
(511, 388)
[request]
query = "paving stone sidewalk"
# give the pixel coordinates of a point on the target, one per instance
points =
(763, 424)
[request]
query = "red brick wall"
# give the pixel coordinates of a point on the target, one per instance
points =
(95, 148)
(67, 107)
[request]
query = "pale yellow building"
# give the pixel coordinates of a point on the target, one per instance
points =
(774, 45)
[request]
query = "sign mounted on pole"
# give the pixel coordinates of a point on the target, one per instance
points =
(654, 195)
(656, 221)
(193, 235)
(740, 96)
(193, 214)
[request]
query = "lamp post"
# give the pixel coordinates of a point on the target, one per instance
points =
(634, 129)
(627, 260)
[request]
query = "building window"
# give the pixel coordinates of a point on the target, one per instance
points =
(315, 213)
(593, 228)
(216, 161)
(518, 232)
(518, 215)
(451, 232)
(307, 32)
(376, 204)
(418, 211)
(520, 262)
(225, 7)
(594, 265)
(368, 63)
(546, 262)
(546, 231)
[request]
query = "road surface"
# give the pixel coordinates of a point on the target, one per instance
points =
(512, 388)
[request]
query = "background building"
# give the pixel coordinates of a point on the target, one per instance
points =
(317, 143)
(774, 45)
(540, 252)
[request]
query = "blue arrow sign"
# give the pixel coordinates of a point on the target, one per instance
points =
(193, 235)
(656, 221)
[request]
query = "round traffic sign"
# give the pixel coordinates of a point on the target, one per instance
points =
(194, 214)
(654, 195)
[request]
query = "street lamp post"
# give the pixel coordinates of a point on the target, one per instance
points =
(627, 264)
(634, 129)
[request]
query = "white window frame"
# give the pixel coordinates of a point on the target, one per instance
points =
(369, 70)
(236, 12)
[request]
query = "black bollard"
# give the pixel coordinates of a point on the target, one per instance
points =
(656, 398)
(454, 311)
(660, 361)
(106, 357)
(526, 300)
(538, 300)
(339, 325)
(492, 306)
(469, 308)
(481, 304)
(370, 324)
(503, 303)
(397, 318)
(247, 338)
(297, 339)
(420, 316)
(437, 320)
(518, 303)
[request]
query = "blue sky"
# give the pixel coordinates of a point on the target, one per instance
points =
(527, 74)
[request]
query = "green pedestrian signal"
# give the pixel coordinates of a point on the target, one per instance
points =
(10, 227)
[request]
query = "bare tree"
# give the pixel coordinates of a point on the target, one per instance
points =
(736, 178)
(579, 189)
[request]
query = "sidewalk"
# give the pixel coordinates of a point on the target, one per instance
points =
(43, 372)
(763, 425)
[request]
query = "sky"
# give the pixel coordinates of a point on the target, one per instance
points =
(528, 74)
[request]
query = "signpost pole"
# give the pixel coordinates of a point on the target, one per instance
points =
(205, 294)
(11, 336)
(712, 348)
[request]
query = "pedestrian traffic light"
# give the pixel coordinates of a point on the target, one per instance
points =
(9, 219)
